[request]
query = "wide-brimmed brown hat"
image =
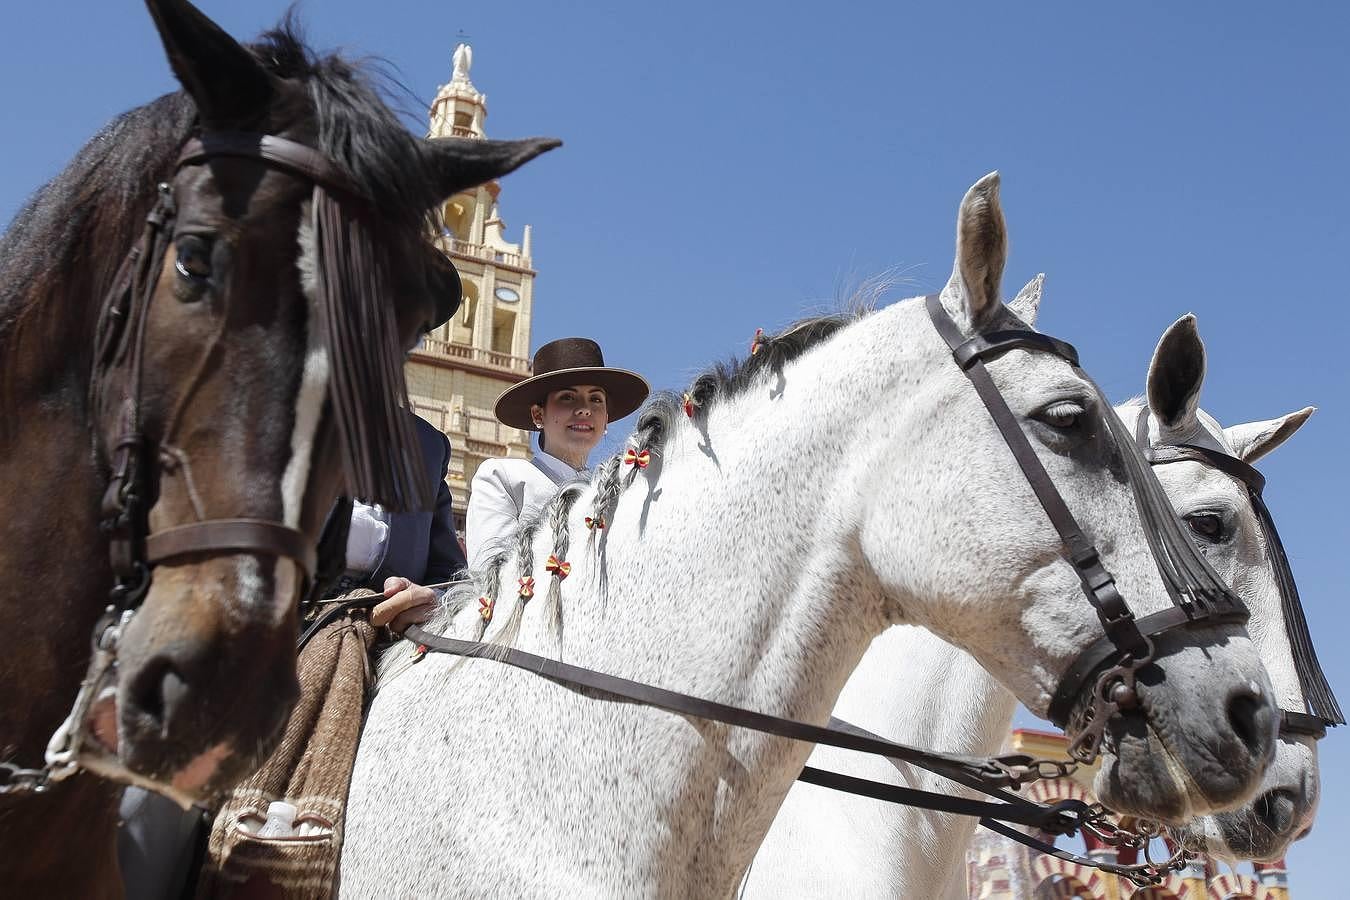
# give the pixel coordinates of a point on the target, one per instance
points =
(565, 362)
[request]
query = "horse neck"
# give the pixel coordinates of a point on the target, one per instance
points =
(734, 545)
(733, 571)
(917, 689)
(56, 262)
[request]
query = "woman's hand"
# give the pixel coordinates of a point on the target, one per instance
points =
(405, 604)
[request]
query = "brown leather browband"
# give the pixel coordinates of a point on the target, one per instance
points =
(231, 536)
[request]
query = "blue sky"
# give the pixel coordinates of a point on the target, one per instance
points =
(733, 167)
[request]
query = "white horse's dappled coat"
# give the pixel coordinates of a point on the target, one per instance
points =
(917, 689)
(803, 510)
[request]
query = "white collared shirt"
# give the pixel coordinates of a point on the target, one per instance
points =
(555, 468)
(367, 538)
(504, 491)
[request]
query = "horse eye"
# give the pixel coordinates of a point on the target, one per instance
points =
(194, 259)
(1064, 415)
(1207, 526)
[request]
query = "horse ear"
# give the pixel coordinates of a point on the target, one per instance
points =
(229, 86)
(1027, 304)
(461, 163)
(1254, 440)
(1176, 373)
(981, 251)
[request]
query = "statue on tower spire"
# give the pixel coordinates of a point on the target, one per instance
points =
(462, 60)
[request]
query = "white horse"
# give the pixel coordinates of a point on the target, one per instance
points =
(844, 479)
(825, 844)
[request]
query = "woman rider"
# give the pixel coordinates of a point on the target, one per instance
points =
(570, 400)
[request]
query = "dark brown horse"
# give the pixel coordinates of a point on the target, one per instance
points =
(243, 364)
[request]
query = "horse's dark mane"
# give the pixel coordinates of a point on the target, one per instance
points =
(725, 380)
(771, 353)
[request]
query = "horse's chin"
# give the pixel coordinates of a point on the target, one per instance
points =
(1236, 836)
(197, 780)
(1140, 776)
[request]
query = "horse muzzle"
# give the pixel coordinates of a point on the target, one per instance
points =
(205, 677)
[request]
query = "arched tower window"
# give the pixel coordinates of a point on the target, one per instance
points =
(461, 327)
(458, 216)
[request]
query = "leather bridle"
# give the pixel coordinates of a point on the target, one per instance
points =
(1321, 710)
(1199, 596)
(133, 549)
(120, 340)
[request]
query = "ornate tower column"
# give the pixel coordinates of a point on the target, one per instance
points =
(456, 374)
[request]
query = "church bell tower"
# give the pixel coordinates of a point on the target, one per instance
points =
(457, 372)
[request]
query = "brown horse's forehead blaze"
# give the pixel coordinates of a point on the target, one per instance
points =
(222, 594)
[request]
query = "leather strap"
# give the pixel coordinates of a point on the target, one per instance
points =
(996, 343)
(232, 536)
(1023, 813)
(280, 152)
(1302, 723)
(1291, 723)
(1059, 819)
(1098, 585)
(1229, 465)
(1141, 876)
(335, 612)
(962, 806)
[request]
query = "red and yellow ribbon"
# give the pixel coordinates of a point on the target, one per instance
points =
(689, 404)
(756, 341)
(597, 523)
(632, 458)
(558, 567)
(526, 587)
(485, 607)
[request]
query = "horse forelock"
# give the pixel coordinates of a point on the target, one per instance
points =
(360, 134)
(357, 129)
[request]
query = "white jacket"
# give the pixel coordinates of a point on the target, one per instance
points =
(505, 491)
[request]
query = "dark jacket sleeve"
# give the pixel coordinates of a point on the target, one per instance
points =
(445, 559)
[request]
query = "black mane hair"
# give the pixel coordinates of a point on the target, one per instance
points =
(97, 203)
(769, 354)
(358, 130)
(723, 381)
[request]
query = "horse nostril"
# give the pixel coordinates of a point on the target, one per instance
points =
(1251, 721)
(1277, 810)
(158, 690)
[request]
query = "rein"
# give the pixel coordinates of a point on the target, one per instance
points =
(989, 775)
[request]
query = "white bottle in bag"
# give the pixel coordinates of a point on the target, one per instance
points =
(280, 820)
